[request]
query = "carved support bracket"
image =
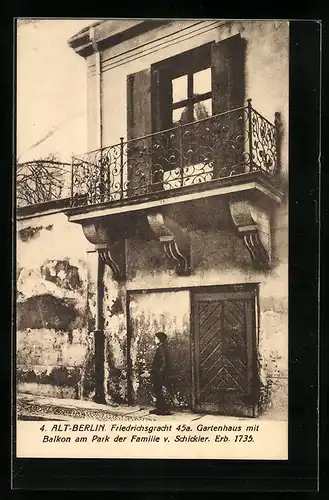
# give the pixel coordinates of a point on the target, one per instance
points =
(253, 224)
(176, 246)
(112, 252)
(116, 264)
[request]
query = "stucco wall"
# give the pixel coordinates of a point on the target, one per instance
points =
(56, 273)
(56, 308)
(218, 258)
(54, 351)
(151, 313)
(115, 330)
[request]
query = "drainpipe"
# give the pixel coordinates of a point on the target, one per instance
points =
(99, 338)
(99, 319)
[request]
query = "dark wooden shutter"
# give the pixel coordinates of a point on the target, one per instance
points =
(161, 120)
(161, 98)
(228, 74)
(228, 93)
(139, 124)
(139, 104)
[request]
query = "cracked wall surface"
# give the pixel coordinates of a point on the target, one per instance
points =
(56, 307)
(54, 350)
(115, 331)
(151, 313)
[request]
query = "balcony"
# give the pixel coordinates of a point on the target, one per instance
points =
(232, 147)
(221, 170)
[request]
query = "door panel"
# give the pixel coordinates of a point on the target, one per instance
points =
(224, 352)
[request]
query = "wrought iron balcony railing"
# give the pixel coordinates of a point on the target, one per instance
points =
(41, 181)
(228, 144)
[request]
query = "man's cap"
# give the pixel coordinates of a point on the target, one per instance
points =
(161, 336)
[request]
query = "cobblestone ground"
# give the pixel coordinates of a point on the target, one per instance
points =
(37, 408)
(34, 411)
(31, 407)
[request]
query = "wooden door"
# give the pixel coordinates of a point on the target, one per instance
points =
(225, 369)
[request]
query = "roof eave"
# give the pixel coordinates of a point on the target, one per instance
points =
(82, 44)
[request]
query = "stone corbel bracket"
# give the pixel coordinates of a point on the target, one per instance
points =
(176, 247)
(253, 223)
(112, 253)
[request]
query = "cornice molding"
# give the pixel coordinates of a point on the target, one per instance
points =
(107, 34)
(160, 43)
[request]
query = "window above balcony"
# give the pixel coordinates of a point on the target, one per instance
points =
(191, 139)
(182, 88)
(188, 130)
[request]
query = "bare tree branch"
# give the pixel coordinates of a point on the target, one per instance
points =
(41, 180)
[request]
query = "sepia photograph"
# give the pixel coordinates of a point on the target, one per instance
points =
(152, 238)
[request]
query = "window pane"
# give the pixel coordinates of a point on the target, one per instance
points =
(202, 109)
(179, 88)
(202, 81)
(180, 114)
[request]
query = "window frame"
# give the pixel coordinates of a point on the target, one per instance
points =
(191, 97)
(186, 63)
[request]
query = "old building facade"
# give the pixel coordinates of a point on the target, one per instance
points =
(176, 221)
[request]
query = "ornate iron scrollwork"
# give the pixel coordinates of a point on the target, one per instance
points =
(231, 143)
(177, 256)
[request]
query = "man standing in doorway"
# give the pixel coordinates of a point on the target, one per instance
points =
(159, 374)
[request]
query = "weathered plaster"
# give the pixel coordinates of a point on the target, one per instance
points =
(53, 346)
(273, 351)
(30, 232)
(114, 311)
(56, 350)
(169, 312)
(46, 311)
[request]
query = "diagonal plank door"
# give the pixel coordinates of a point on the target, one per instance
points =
(225, 378)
